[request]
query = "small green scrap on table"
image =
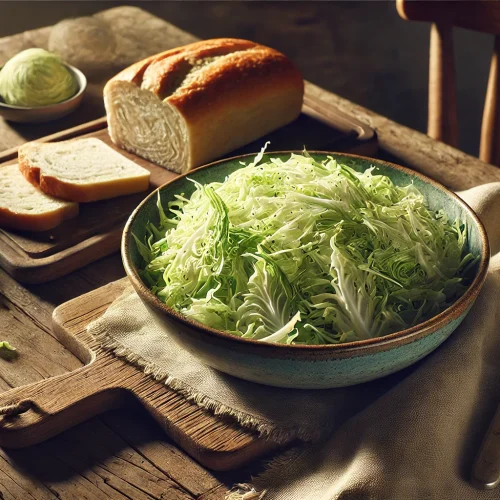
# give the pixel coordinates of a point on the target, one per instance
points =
(7, 351)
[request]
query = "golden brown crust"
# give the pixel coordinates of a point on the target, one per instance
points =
(85, 194)
(50, 185)
(227, 93)
(31, 174)
(218, 47)
(239, 121)
(135, 73)
(247, 69)
(78, 193)
(65, 191)
(165, 74)
(38, 222)
(241, 76)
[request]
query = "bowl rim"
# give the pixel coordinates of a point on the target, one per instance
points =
(82, 85)
(403, 336)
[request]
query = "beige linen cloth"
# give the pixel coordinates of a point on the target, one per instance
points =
(412, 435)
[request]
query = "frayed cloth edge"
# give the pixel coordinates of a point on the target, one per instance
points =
(257, 489)
(264, 429)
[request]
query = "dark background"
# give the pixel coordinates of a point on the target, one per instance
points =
(360, 50)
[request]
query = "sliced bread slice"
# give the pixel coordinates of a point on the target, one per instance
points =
(24, 207)
(81, 170)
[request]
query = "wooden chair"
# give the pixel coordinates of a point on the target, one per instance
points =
(477, 15)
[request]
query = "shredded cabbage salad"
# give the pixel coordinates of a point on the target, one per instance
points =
(305, 252)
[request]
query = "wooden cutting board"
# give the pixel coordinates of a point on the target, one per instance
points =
(107, 382)
(96, 232)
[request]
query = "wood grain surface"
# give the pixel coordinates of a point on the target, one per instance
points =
(33, 257)
(489, 150)
(410, 148)
(442, 120)
(95, 232)
(124, 454)
(107, 382)
(121, 454)
(138, 34)
(478, 15)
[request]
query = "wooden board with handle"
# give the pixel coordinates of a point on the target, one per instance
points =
(106, 382)
(96, 232)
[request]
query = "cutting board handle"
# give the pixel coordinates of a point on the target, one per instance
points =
(33, 413)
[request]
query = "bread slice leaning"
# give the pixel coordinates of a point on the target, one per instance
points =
(26, 208)
(190, 105)
(81, 170)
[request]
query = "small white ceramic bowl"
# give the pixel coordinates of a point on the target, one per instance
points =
(22, 114)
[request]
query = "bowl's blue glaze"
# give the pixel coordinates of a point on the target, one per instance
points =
(308, 367)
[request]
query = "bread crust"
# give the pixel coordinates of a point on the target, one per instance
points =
(161, 77)
(58, 188)
(30, 173)
(240, 77)
(135, 73)
(245, 72)
(247, 92)
(37, 222)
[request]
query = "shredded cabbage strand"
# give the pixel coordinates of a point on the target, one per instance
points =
(306, 252)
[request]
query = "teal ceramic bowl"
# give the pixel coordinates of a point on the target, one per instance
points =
(307, 367)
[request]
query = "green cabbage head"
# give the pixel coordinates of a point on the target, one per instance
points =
(34, 78)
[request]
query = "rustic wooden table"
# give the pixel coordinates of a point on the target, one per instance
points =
(124, 454)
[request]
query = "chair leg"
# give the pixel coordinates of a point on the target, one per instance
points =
(442, 118)
(489, 150)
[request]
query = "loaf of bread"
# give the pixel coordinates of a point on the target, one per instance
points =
(187, 106)
(81, 170)
(24, 207)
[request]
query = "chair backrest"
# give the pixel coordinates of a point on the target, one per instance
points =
(477, 15)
